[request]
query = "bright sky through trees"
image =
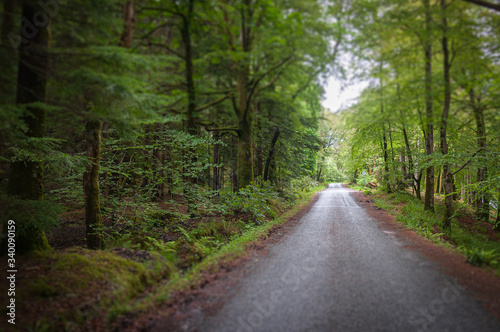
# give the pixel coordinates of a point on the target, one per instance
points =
(337, 98)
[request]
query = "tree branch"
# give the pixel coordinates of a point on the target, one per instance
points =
(485, 4)
(236, 130)
(468, 162)
(214, 102)
(257, 81)
(168, 49)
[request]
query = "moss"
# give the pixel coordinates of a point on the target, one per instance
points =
(106, 280)
(40, 288)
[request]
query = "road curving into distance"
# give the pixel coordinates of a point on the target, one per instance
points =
(337, 271)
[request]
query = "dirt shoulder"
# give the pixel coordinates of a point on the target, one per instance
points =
(480, 282)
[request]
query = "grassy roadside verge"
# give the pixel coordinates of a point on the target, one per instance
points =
(76, 288)
(478, 243)
(229, 252)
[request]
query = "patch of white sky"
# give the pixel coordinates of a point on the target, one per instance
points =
(343, 92)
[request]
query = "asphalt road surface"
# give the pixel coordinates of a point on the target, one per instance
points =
(337, 271)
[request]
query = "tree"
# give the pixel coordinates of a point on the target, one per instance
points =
(448, 188)
(429, 134)
(26, 175)
(485, 4)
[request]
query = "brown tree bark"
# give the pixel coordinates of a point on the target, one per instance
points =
(185, 29)
(384, 138)
(481, 199)
(129, 19)
(245, 152)
(446, 174)
(318, 177)
(93, 221)
(485, 4)
(429, 137)
(415, 181)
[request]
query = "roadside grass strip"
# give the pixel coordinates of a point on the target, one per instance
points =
(478, 248)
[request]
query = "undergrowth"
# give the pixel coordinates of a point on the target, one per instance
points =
(478, 248)
(180, 250)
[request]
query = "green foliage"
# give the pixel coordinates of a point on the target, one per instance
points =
(252, 199)
(481, 257)
(30, 215)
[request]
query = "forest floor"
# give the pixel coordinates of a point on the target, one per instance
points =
(75, 289)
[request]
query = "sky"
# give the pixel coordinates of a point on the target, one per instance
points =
(337, 98)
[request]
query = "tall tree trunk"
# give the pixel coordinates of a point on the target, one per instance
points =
(245, 151)
(386, 162)
(429, 139)
(129, 18)
(267, 169)
(438, 182)
(260, 162)
(497, 221)
(234, 176)
(8, 64)
(482, 199)
(411, 173)
(185, 29)
(446, 175)
(26, 176)
(215, 183)
(93, 221)
(190, 190)
(7, 21)
(384, 137)
(93, 128)
(244, 114)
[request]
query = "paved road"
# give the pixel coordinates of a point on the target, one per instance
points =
(338, 272)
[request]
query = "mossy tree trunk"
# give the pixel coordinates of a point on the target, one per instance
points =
(93, 221)
(26, 176)
(245, 168)
(384, 136)
(429, 134)
(190, 190)
(446, 177)
(185, 29)
(482, 199)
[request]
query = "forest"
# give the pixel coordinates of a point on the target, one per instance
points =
(143, 142)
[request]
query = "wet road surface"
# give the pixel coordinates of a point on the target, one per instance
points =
(337, 271)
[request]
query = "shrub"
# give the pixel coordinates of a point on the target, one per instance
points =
(481, 257)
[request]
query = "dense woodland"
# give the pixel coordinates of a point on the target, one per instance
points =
(177, 126)
(126, 105)
(431, 111)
